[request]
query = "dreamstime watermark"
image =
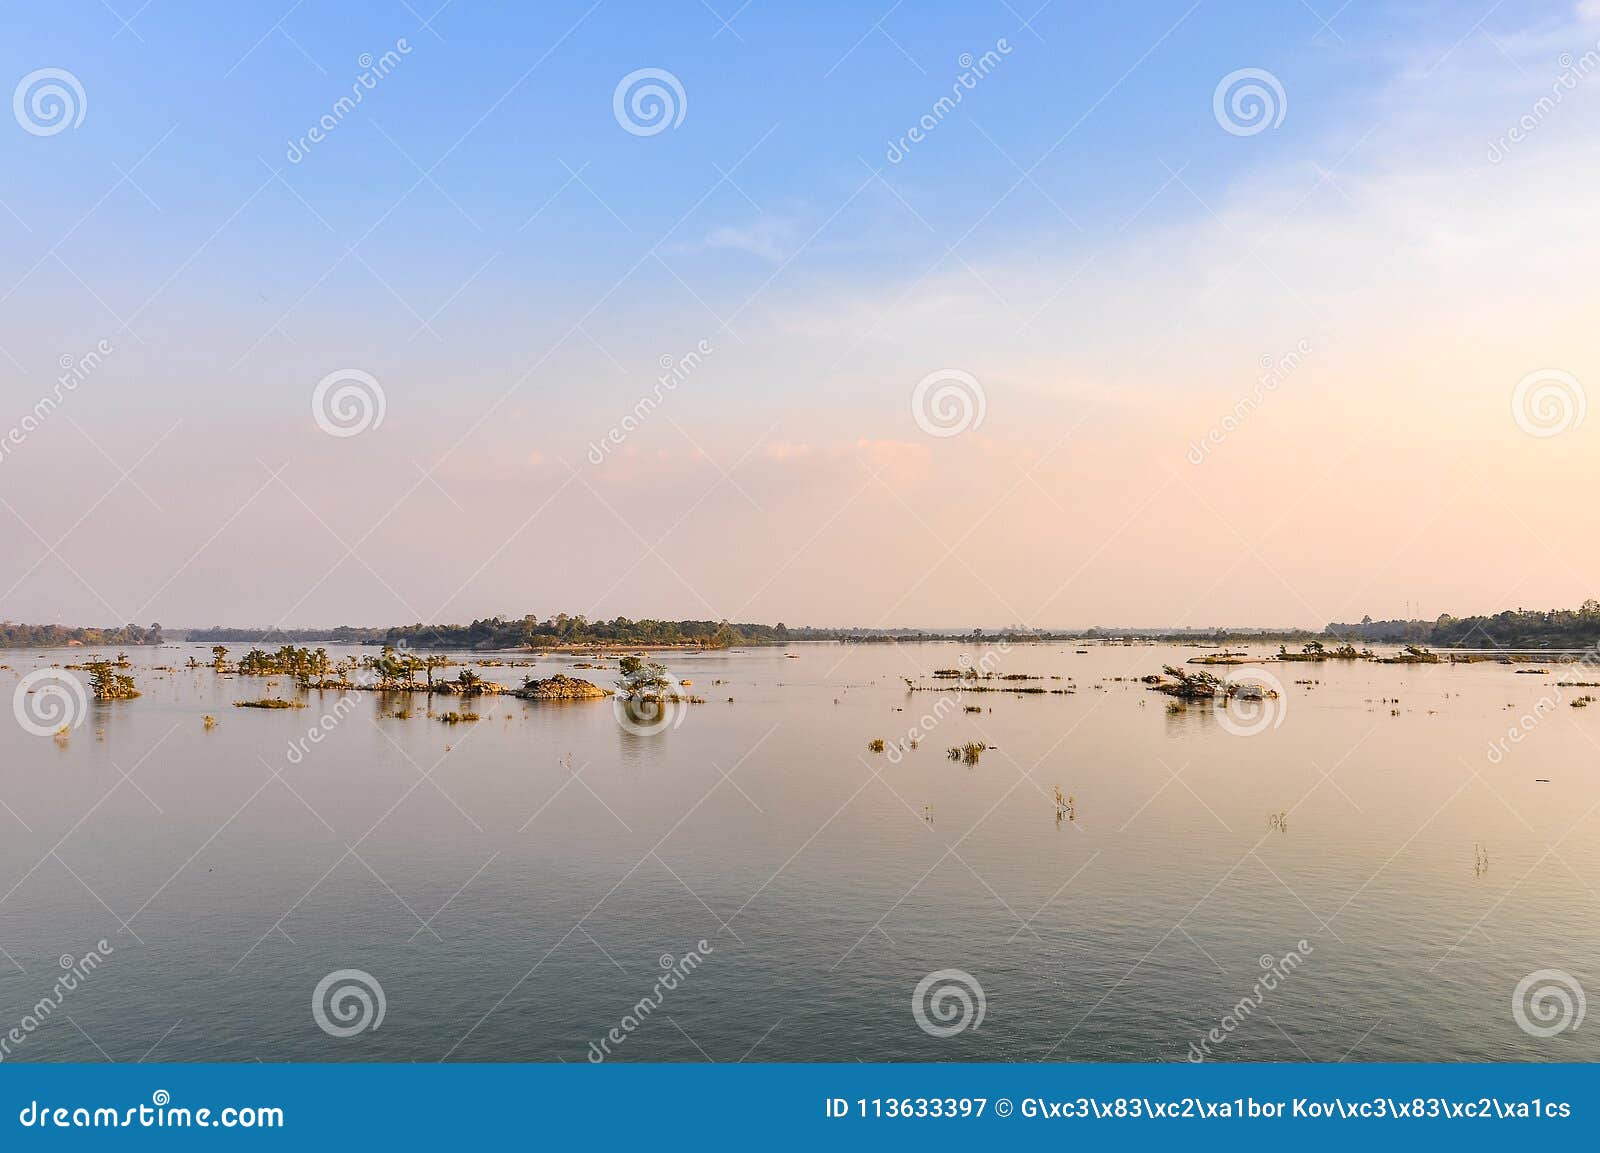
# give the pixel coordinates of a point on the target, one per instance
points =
(1248, 101)
(49, 700)
(1274, 971)
(1254, 702)
(77, 970)
(946, 703)
(49, 100)
(347, 1002)
(973, 69)
(159, 1114)
(373, 69)
(1515, 734)
(1548, 402)
(1274, 372)
(647, 710)
(948, 402)
(1542, 708)
(1573, 72)
(674, 371)
(75, 370)
(648, 101)
(1547, 1002)
(317, 733)
(947, 1002)
(674, 971)
(348, 402)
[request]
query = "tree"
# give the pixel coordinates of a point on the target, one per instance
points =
(390, 666)
(109, 685)
(642, 680)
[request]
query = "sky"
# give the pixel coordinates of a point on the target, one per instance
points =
(799, 335)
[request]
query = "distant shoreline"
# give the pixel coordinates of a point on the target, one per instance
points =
(1554, 631)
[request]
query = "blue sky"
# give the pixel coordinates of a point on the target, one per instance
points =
(483, 237)
(510, 99)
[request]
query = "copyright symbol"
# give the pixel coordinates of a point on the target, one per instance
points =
(1002, 1107)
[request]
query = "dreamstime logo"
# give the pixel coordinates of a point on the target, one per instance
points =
(973, 69)
(48, 101)
(1274, 372)
(947, 703)
(317, 733)
(348, 403)
(948, 402)
(674, 971)
(1547, 1002)
(75, 971)
(347, 1002)
(49, 700)
(372, 71)
(1548, 402)
(75, 370)
(1249, 101)
(1542, 708)
(648, 101)
(952, 998)
(646, 712)
(1274, 971)
(1572, 72)
(674, 371)
(1254, 702)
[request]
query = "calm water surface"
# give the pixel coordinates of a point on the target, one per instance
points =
(517, 884)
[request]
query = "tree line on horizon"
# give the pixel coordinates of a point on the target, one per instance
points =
(20, 636)
(531, 632)
(1514, 628)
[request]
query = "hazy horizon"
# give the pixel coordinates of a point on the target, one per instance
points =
(1091, 344)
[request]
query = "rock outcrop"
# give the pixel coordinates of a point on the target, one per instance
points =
(560, 688)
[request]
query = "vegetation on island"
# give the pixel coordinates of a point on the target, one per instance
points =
(20, 636)
(646, 691)
(341, 635)
(107, 684)
(1411, 655)
(1317, 651)
(302, 664)
(561, 630)
(560, 687)
(396, 670)
(1204, 686)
